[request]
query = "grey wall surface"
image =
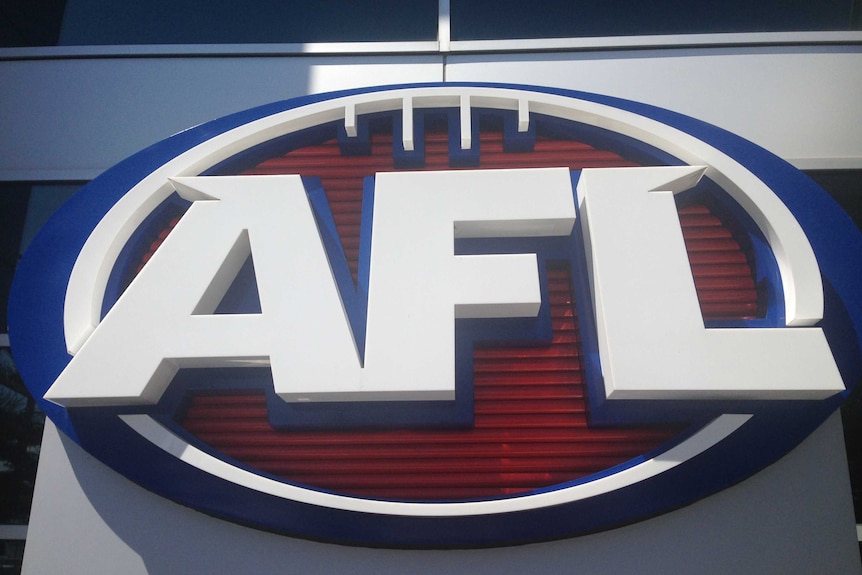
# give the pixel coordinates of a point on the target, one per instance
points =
(792, 518)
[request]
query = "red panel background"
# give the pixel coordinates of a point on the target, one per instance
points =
(531, 426)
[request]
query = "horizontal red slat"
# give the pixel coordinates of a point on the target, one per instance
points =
(532, 391)
(724, 283)
(694, 209)
(515, 378)
(711, 245)
(559, 350)
(529, 406)
(699, 220)
(727, 296)
(722, 310)
(721, 270)
(526, 364)
(717, 258)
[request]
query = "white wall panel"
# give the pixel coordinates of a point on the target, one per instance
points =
(803, 104)
(73, 118)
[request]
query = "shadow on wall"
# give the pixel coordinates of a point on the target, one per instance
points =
(747, 528)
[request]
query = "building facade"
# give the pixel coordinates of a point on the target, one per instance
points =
(119, 82)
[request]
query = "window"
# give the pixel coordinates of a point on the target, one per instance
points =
(23, 209)
(103, 22)
(845, 186)
(264, 21)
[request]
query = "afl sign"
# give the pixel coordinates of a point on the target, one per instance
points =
(442, 315)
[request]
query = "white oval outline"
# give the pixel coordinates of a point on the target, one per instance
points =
(703, 439)
(800, 273)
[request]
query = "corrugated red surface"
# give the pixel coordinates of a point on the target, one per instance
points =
(530, 407)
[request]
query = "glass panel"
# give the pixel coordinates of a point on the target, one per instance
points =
(498, 19)
(264, 21)
(30, 22)
(24, 208)
(11, 556)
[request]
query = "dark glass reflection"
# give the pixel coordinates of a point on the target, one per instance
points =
(13, 209)
(496, 19)
(21, 424)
